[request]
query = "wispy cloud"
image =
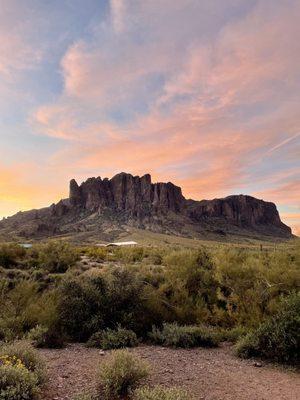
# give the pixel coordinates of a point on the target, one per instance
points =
(284, 142)
(118, 9)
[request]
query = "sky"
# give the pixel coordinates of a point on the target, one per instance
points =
(203, 93)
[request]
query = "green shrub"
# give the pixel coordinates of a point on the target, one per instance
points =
(130, 254)
(17, 383)
(96, 302)
(98, 254)
(113, 339)
(28, 356)
(10, 255)
(160, 393)
(173, 335)
(36, 333)
(233, 334)
(23, 307)
(51, 338)
(121, 374)
(57, 257)
(278, 338)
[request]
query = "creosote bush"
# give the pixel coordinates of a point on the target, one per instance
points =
(160, 393)
(173, 335)
(121, 374)
(278, 338)
(113, 339)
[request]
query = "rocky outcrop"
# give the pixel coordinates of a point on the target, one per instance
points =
(98, 204)
(241, 210)
(137, 196)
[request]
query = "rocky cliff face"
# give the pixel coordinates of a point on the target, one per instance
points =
(134, 195)
(99, 204)
(243, 211)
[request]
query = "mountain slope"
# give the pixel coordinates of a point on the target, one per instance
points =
(104, 208)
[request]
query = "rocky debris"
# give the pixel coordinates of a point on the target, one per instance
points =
(160, 207)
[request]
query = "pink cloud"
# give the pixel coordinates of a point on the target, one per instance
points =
(225, 107)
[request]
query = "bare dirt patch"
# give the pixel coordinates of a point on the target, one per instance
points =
(208, 374)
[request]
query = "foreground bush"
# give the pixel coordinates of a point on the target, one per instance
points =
(160, 393)
(233, 334)
(278, 338)
(17, 382)
(173, 335)
(113, 339)
(28, 357)
(50, 338)
(121, 374)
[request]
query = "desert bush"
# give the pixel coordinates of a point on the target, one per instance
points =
(28, 356)
(47, 337)
(251, 283)
(95, 302)
(113, 339)
(160, 393)
(154, 256)
(121, 374)
(23, 307)
(17, 382)
(82, 306)
(129, 254)
(16, 313)
(278, 338)
(57, 257)
(191, 285)
(10, 255)
(174, 335)
(233, 334)
(97, 253)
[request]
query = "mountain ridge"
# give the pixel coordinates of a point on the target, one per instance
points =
(102, 206)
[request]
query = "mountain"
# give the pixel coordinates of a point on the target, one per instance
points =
(104, 208)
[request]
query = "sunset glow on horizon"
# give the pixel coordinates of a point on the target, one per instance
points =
(205, 94)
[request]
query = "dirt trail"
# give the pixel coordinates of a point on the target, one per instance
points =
(208, 374)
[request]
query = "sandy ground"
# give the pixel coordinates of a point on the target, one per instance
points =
(208, 374)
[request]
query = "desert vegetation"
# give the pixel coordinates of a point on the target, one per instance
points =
(22, 372)
(114, 298)
(167, 295)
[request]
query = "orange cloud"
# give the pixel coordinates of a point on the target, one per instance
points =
(288, 193)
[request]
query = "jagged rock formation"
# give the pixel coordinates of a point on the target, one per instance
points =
(131, 194)
(102, 205)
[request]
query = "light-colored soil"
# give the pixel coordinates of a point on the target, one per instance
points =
(210, 374)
